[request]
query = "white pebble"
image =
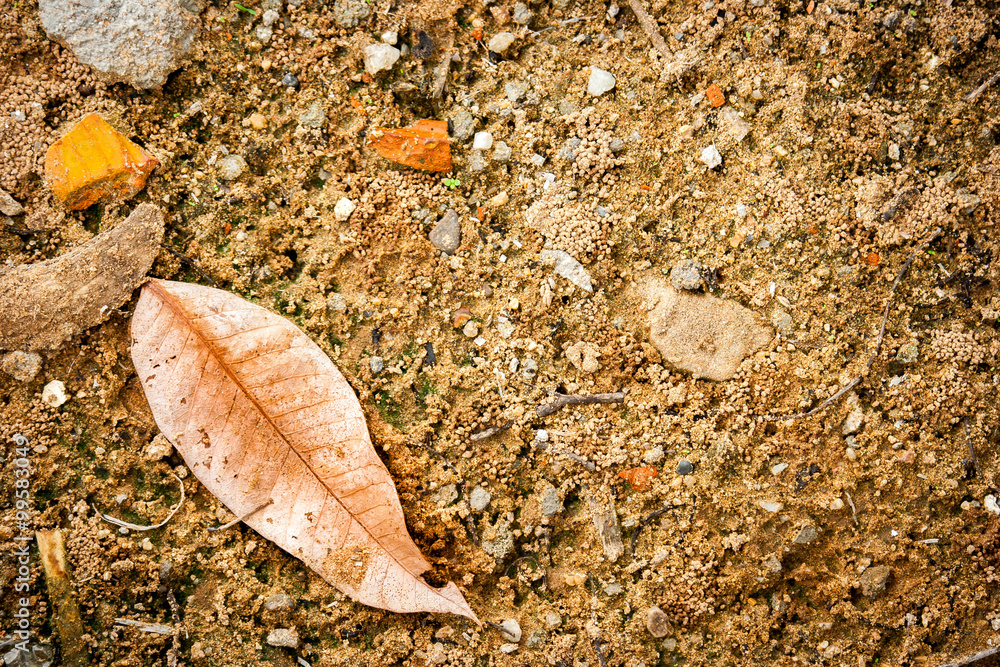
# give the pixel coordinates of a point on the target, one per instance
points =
(711, 157)
(771, 506)
(600, 82)
(54, 394)
(482, 141)
(343, 209)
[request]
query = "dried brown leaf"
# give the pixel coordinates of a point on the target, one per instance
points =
(45, 303)
(260, 413)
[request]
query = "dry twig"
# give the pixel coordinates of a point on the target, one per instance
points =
(239, 519)
(972, 449)
(968, 660)
(878, 343)
(649, 25)
(979, 91)
(491, 431)
(599, 652)
(562, 400)
(645, 522)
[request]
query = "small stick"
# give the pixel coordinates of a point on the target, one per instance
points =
(979, 91)
(645, 522)
(155, 628)
(134, 526)
(562, 400)
(544, 446)
(968, 660)
(878, 343)
(240, 518)
(647, 23)
(174, 653)
(599, 652)
(441, 77)
(972, 449)
(67, 622)
(491, 431)
(190, 262)
(854, 510)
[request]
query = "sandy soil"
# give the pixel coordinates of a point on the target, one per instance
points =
(860, 536)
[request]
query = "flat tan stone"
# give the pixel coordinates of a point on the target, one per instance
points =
(703, 334)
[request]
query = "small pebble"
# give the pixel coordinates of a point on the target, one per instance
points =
(231, 167)
(22, 366)
(500, 42)
(686, 274)
(511, 630)
(376, 364)
(771, 506)
(479, 499)
(290, 81)
(54, 394)
(711, 156)
(684, 467)
(600, 82)
(380, 57)
(482, 141)
(279, 602)
(283, 637)
(657, 622)
(390, 37)
(343, 209)
(471, 329)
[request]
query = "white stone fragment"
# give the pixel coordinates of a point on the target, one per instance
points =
(343, 209)
(600, 82)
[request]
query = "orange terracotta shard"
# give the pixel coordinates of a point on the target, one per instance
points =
(423, 145)
(94, 162)
(639, 479)
(715, 96)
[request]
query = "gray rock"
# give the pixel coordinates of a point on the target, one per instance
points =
(600, 82)
(22, 366)
(853, 422)
(686, 274)
(568, 150)
(231, 167)
(806, 535)
(314, 116)
(379, 57)
(702, 334)
(479, 499)
(463, 124)
(617, 145)
(349, 13)
(711, 156)
(569, 268)
(684, 467)
(874, 580)
(550, 502)
(500, 42)
(279, 602)
(139, 42)
(772, 564)
(498, 540)
(336, 303)
(515, 90)
(967, 201)
(289, 80)
(731, 126)
(376, 364)
(908, 352)
(522, 15)
(476, 161)
(446, 495)
(502, 152)
(511, 630)
(283, 637)
(535, 639)
(447, 233)
(658, 623)
(8, 206)
(781, 320)
(270, 17)
(264, 33)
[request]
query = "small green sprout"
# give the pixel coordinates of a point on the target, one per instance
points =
(452, 183)
(252, 12)
(931, 252)
(913, 13)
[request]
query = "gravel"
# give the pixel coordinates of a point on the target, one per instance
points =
(343, 209)
(376, 364)
(600, 82)
(380, 57)
(711, 157)
(279, 602)
(463, 124)
(482, 141)
(54, 394)
(806, 535)
(502, 152)
(515, 90)
(686, 274)
(479, 499)
(522, 15)
(289, 80)
(657, 622)
(684, 467)
(231, 167)
(314, 116)
(500, 42)
(22, 366)
(874, 580)
(349, 13)
(511, 630)
(8, 206)
(570, 269)
(447, 233)
(550, 502)
(283, 637)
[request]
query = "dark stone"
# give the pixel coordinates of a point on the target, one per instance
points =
(424, 46)
(290, 80)
(684, 467)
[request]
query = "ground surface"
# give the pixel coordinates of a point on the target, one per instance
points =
(858, 145)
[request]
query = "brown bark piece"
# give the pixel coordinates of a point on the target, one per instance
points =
(68, 624)
(44, 304)
(260, 413)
